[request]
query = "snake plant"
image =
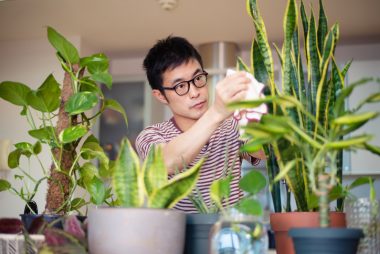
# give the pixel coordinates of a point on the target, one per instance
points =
(147, 185)
(308, 125)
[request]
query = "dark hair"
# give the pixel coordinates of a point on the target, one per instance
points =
(165, 55)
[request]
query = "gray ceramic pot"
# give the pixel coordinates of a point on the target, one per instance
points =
(136, 230)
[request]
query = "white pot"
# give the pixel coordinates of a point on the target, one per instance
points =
(136, 230)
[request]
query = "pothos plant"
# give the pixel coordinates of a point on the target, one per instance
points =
(252, 184)
(308, 125)
(61, 117)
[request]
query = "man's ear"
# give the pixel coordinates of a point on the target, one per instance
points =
(159, 96)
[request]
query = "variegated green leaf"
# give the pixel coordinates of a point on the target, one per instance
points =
(154, 170)
(116, 106)
(72, 133)
(220, 189)
(177, 188)
(322, 27)
(127, 180)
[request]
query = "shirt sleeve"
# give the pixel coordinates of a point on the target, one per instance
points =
(146, 139)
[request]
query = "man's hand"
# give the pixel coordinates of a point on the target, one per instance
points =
(230, 89)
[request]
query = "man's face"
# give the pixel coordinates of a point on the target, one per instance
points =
(192, 105)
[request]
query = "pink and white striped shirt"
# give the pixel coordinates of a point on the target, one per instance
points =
(225, 138)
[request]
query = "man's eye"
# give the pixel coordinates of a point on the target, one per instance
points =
(181, 86)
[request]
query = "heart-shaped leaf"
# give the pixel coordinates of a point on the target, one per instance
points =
(14, 92)
(81, 102)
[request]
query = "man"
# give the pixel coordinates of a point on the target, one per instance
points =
(175, 73)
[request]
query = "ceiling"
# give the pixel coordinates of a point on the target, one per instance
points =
(130, 27)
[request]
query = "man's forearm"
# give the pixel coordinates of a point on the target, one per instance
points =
(185, 147)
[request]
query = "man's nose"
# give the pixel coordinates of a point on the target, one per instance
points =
(193, 91)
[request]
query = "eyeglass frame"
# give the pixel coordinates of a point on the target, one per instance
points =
(188, 84)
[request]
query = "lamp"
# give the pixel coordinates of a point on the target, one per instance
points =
(167, 5)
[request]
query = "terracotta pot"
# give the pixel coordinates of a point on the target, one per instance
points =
(282, 222)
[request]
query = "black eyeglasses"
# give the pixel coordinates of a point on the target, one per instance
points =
(183, 87)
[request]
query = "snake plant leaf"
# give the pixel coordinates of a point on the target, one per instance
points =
(259, 70)
(67, 50)
(241, 66)
(177, 188)
(4, 185)
(253, 182)
(14, 92)
(97, 190)
(305, 24)
(322, 27)
(14, 158)
(81, 102)
(155, 172)
(47, 97)
(72, 133)
(116, 106)
(220, 189)
(96, 63)
(262, 38)
(289, 26)
(346, 68)
(250, 206)
(127, 180)
(103, 77)
(45, 134)
(313, 65)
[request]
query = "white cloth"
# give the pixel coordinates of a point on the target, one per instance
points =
(244, 116)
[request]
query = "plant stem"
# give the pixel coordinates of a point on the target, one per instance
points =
(323, 192)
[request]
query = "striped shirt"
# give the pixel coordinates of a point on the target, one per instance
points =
(225, 138)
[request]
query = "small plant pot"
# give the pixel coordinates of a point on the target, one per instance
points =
(198, 228)
(282, 222)
(33, 222)
(326, 240)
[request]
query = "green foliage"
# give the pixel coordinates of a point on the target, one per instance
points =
(84, 105)
(307, 125)
(134, 184)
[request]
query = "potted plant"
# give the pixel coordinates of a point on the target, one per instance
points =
(305, 131)
(61, 117)
(203, 228)
(143, 222)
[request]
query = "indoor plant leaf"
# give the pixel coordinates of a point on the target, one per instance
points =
(253, 176)
(4, 185)
(220, 189)
(96, 63)
(177, 188)
(81, 102)
(14, 92)
(96, 189)
(63, 46)
(72, 133)
(47, 97)
(154, 170)
(127, 180)
(14, 158)
(116, 106)
(103, 77)
(250, 206)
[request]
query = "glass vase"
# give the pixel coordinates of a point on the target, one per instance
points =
(364, 213)
(236, 233)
